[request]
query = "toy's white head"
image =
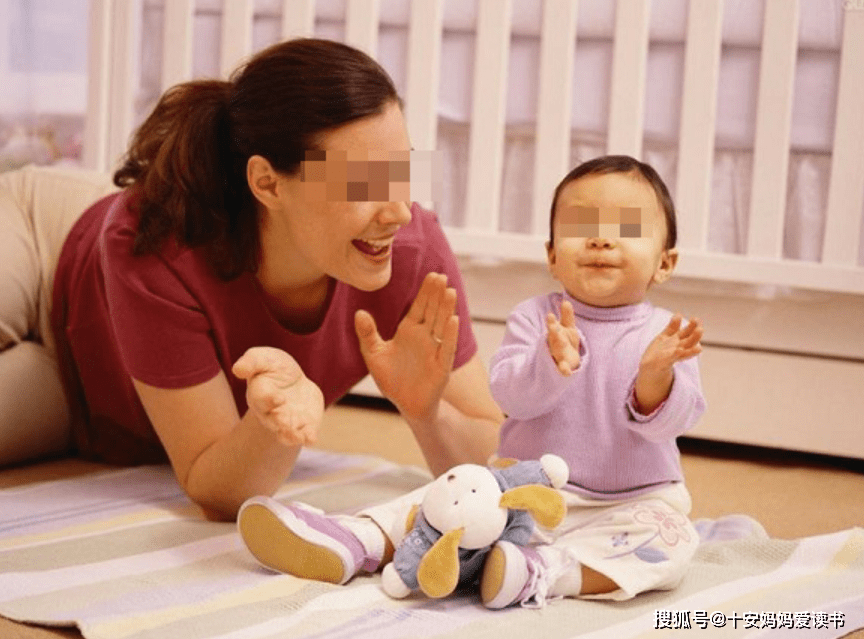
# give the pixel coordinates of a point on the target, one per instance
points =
(466, 497)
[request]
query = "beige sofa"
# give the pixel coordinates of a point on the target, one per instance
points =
(38, 206)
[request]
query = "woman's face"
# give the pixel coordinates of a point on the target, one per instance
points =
(337, 218)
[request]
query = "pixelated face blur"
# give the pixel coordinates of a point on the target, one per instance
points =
(342, 176)
(341, 211)
(610, 233)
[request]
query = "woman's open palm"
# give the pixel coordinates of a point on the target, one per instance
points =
(280, 395)
(413, 367)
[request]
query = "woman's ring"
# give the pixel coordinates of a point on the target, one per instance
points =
(437, 339)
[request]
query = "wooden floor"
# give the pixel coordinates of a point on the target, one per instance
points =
(792, 495)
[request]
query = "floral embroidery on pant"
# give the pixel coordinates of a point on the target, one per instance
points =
(671, 529)
(620, 540)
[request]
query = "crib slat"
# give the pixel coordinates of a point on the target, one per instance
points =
(629, 57)
(698, 114)
(177, 42)
(552, 147)
(96, 126)
(125, 54)
(485, 157)
(846, 189)
(773, 126)
(298, 19)
(237, 18)
(361, 25)
(424, 62)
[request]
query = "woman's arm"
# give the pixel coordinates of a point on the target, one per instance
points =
(221, 459)
(465, 427)
(451, 413)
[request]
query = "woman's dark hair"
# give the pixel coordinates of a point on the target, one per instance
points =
(187, 161)
(621, 164)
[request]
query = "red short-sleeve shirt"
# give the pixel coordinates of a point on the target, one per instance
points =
(168, 320)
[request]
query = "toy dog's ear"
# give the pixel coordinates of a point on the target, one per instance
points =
(412, 517)
(438, 572)
(545, 504)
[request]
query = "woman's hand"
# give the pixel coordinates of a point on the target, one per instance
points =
(412, 369)
(280, 395)
(563, 339)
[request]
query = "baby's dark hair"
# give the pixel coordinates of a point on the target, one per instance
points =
(621, 164)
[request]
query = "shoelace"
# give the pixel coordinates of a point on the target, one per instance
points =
(541, 578)
(537, 586)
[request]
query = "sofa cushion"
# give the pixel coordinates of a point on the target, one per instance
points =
(38, 207)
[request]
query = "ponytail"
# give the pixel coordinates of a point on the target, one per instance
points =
(187, 162)
(189, 182)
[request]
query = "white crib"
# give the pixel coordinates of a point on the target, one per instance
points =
(782, 293)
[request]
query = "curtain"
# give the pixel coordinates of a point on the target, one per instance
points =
(43, 81)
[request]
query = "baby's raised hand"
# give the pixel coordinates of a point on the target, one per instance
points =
(655, 377)
(563, 339)
(673, 344)
(280, 395)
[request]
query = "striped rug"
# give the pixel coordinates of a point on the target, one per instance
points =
(124, 555)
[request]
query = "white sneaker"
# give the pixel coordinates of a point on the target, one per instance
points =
(521, 575)
(299, 540)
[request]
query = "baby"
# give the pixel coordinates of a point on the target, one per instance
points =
(594, 374)
(608, 387)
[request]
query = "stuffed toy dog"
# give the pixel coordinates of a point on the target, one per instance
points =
(464, 512)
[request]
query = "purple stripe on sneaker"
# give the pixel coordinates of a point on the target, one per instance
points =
(533, 559)
(371, 564)
(337, 532)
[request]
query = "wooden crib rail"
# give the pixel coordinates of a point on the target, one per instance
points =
(629, 61)
(773, 126)
(424, 72)
(846, 190)
(555, 103)
(698, 115)
(763, 261)
(486, 146)
(114, 58)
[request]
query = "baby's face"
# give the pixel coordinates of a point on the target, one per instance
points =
(610, 233)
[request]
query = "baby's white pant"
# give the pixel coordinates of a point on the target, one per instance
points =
(641, 543)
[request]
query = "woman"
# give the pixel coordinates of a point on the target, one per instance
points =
(239, 282)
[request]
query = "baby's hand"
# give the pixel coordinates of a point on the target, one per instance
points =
(563, 339)
(280, 395)
(673, 345)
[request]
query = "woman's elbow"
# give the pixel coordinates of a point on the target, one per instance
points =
(220, 516)
(219, 508)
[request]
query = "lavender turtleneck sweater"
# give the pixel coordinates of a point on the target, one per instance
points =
(589, 418)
